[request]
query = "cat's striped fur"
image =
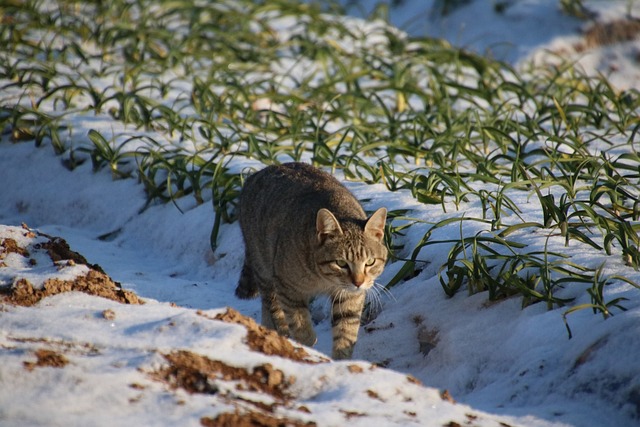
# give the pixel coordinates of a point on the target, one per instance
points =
(305, 234)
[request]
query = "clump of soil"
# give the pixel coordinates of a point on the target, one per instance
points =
(265, 340)
(601, 34)
(8, 246)
(195, 373)
(95, 282)
(59, 250)
(607, 33)
(446, 395)
(47, 358)
(198, 374)
(252, 419)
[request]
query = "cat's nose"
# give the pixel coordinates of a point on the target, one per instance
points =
(357, 280)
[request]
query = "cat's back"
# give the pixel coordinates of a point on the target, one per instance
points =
(289, 179)
(296, 190)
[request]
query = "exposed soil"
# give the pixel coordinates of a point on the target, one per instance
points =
(445, 395)
(472, 421)
(59, 250)
(602, 34)
(195, 373)
(47, 358)
(607, 33)
(95, 282)
(8, 246)
(252, 419)
(199, 374)
(265, 340)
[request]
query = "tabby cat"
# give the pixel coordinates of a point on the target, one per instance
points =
(305, 234)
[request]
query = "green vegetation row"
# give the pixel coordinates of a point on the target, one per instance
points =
(198, 92)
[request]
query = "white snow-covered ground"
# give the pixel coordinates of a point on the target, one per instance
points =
(501, 363)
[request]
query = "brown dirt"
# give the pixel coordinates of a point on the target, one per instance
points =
(265, 340)
(252, 419)
(198, 374)
(47, 358)
(601, 34)
(8, 246)
(355, 369)
(195, 373)
(618, 31)
(413, 380)
(352, 414)
(95, 282)
(445, 395)
(59, 250)
(109, 314)
(373, 395)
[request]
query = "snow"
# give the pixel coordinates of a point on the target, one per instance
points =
(525, 30)
(500, 362)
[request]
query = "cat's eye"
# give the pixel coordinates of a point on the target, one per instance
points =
(370, 262)
(341, 263)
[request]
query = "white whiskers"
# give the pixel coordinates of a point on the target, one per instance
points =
(374, 299)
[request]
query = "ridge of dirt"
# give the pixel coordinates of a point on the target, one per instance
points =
(195, 373)
(59, 250)
(264, 340)
(96, 282)
(252, 419)
(199, 374)
(93, 283)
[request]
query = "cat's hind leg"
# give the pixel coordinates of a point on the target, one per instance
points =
(247, 285)
(273, 315)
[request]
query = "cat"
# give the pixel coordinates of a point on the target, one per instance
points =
(305, 234)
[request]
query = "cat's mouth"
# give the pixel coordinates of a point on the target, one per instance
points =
(355, 287)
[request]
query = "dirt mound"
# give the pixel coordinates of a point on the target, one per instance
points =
(94, 283)
(198, 374)
(252, 419)
(195, 373)
(264, 340)
(24, 293)
(59, 250)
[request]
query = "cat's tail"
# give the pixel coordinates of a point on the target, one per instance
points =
(247, 287)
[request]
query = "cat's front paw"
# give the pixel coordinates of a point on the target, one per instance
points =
(342, 353)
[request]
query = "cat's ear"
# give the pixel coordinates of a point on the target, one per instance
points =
(375, 224)
(326, 224)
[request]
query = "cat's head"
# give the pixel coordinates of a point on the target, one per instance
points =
(352, 254)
